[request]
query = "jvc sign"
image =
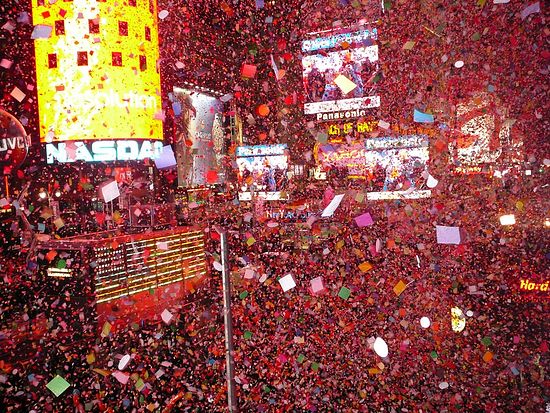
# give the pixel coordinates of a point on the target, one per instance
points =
(102, 151)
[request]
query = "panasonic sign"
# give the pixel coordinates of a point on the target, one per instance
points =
(102, 151)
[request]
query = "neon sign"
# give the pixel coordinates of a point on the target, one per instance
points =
(334, 129)
(527, 285)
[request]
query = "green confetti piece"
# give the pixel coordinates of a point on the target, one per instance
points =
(247, 335)
(387, 4)
(267, 389)
(486, 341)
(315, 366)
(135, 326)
(433, 355)
(139, 384)
(61, 264)
(476, 36)
(301, 358)
(243, 295)
(344, 293)
(151, 291)
(58, 385)
(481, 3)
(106, 329)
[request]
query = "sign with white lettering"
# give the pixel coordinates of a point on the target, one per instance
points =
(14, 143)
(102, 151)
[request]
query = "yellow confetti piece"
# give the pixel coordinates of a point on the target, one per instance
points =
(374, 371)
(366, 266)
(104, 373)
(339, 245)
(409, 45)
(399, 288)
(90, 358)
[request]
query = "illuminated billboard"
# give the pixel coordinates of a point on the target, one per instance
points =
(262, 171)
(199, 123)
(393, 167)
(340, 75)
(96, 68)
(482, 134)
(346, 160)
(398, 166)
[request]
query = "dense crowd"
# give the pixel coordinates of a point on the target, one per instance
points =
(300, 350)
(305, 351)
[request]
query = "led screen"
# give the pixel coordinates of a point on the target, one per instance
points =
(482, 134)
(96, 68)
(340, 75)
(392, 167)
(396, 167)
(262, 171)
(199, 123)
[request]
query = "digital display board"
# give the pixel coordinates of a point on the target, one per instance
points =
(482, 134)
(393, 167)
(97, 74)
(340, 75)
(199, 123)
(262, 170)
(397, 164)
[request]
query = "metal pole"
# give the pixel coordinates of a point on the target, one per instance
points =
(230, 366)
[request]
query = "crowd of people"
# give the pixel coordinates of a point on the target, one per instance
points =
(305, 351)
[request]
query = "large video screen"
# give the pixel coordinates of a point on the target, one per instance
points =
(199, 122)
(340, 75)
(262, 171)
(97, 74)
(343, 160)
(483, 135)
(392, 167)
(396, 166)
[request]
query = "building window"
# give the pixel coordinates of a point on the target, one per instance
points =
(123, 28)
(117, 59)
(60, 27)
(132, 3)
(52, 60)
(93, 26)
(147, 33)
(143, 63)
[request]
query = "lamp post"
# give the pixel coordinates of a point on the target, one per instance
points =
(228, 323)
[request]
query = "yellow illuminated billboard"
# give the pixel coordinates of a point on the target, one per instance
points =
(96, 68)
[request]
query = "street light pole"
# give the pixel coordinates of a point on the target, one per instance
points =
(228, 321)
